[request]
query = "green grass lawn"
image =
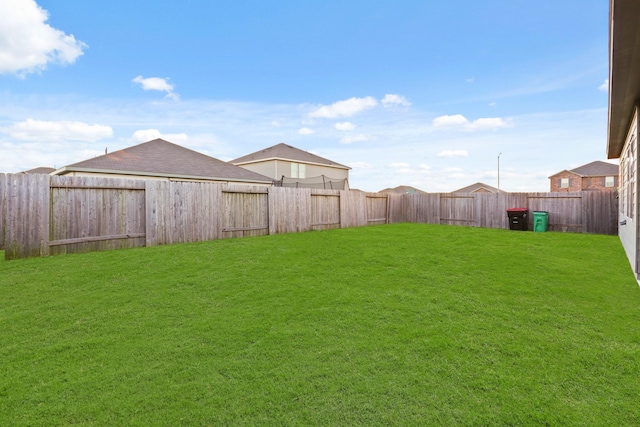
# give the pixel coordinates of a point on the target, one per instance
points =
(403, 324)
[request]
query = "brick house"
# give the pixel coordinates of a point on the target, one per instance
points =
(594, 176)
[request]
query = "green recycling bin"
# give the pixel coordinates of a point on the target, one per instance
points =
(540, 220)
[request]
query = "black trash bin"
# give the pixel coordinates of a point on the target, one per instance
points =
(518, 218)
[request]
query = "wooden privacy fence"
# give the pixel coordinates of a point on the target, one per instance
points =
(48, 215)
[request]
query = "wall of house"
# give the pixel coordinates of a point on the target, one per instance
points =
(277, 168)
(575, 182)
(598, 183)
(267, 168)
(628, 200)
(578, 183)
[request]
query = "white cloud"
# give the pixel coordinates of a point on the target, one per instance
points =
(346, 108)
(400, 165)
(157, 83)
(345, 126)
(453, 153)
(458, 121)
(488, 124)
(53, 131)
(450, 121)
(604, 86)
(306, 131)
(275, 124)
(28, 43)
(470, 80)
(145, 135)
(391, 100)
(354, 138)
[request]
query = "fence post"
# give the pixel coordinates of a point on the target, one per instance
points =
(3, 208)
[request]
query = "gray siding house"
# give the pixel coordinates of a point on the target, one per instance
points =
(624, 104)
(295, 165)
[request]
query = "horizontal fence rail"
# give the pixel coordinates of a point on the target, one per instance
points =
(47, 215)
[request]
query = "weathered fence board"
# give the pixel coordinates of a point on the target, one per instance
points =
(289, 210)
(353, 212)
(44, 215)
(246, 210)
(600, 213)
(325, 209)
(26, 216)
(458, 210)
(377, 209)
(3, 207)
(91, 214)
(180, 212)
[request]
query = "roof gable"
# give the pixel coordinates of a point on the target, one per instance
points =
(163, 158)
(478, 186)
(286, 152)
(596, 168)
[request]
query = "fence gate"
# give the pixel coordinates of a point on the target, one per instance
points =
(246, 213)
(85, 217)
(457, 210)
(325, 211)
(377, 209)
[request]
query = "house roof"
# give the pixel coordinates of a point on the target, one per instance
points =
(624, 71)
(476, 187)
(42, 170)
(596, 168)
(165, 159)
(286, 152)
(403, 189)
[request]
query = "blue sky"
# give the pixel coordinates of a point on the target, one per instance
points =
(422, 93)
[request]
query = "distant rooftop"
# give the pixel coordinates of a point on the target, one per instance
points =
(597, 168)
(286, 152)
(41, 170)
(163, 158)
(478, 187)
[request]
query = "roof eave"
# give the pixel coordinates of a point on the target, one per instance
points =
(268, 159)
(155, 174)
(624, 67)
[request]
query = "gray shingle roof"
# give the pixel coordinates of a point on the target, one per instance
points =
(477, 186)
(41, 170)
(163, 158)
(596, 168)
(286, 152)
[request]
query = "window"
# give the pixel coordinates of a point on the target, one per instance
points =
(564, 182)
(298, 170)
(608, 181)
(628, 177)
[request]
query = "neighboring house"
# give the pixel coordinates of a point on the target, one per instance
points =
(622, 138)
(41, 170)
(298, 167)
(403, 189)
(160, 159)
(478, 187)
(594, 176)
